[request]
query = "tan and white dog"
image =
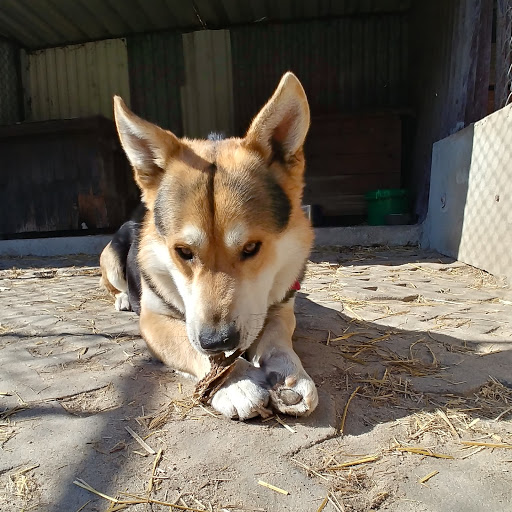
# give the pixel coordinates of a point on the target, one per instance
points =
(214, 264)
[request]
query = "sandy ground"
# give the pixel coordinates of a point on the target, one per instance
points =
(411, 353)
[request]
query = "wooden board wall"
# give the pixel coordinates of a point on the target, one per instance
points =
(349, 155)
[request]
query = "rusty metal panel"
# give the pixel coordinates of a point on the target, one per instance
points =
(10, 83)
(470, 205)
(207, 95)
(346, 65)
(156, 75)
(77, 80)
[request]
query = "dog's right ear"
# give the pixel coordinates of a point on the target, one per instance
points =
(147, 146)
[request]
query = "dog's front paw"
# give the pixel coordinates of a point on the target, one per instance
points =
(292, 390)
(244, 394)
(122, 302)
(296, 396)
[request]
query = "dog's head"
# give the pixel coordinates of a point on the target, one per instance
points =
(224, 216)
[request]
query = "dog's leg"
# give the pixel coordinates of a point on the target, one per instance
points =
(167, 340)
(113, 279)
(292, 389)
(243, 395)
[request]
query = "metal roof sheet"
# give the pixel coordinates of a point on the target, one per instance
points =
(38, 24)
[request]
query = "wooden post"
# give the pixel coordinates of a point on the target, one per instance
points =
(503, 52)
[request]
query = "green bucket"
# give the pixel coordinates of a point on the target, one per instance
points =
(384, 202)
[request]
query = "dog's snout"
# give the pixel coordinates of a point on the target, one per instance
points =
(219, 340)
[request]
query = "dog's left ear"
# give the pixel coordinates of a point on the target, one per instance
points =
(280, 128)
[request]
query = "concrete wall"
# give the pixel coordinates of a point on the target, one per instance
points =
(470, 206)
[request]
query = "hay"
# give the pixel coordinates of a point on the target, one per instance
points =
(140, 441)
(356, 462)
(136, 500)
(493, 401)
(369, 349)
(157, 460)
(309, 469)
(418, 450)
(282, 423)
(272, 487)
(426, 478)
(487, 445)
(344, 417)
(389, 389)
(445, 424)
(174, 409)
(323, 504)
(22, 484)
(7, 431)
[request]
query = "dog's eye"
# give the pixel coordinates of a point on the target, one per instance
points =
(250, 249)
(184, 253)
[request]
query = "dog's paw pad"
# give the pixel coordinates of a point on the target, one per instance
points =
(288, 396)
(297, 397)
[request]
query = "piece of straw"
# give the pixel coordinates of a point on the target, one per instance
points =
(272, 487)
(363, 460)
(307, 468)
(426, 478)
(287, 427)
(84, 485)
(423, 451)
(487, 445)
(84, 505)
(322, 505)
(140, 441)
(155, 464)
(137, 501)
(448, 422)
(342, 426)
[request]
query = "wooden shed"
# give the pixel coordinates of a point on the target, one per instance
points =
(385, 80)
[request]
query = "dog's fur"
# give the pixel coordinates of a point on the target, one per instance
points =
(222, 242)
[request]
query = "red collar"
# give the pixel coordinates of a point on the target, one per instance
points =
(295, 286)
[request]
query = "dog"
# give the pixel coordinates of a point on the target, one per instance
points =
(213, 262)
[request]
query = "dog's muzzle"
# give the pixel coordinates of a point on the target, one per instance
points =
(222, 339)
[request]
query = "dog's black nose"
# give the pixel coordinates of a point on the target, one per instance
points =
(222, 339)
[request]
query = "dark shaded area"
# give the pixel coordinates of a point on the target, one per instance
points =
(63, 175)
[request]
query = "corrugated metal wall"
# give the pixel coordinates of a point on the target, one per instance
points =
(207, 96)
(347, 65)
(156, 76)
(77, 80)
(10, 83)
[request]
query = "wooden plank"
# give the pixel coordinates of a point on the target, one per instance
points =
(503, 53)
(345, 205)
(323, 187)
(331, 164)
(479, 58)
(364, 134)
